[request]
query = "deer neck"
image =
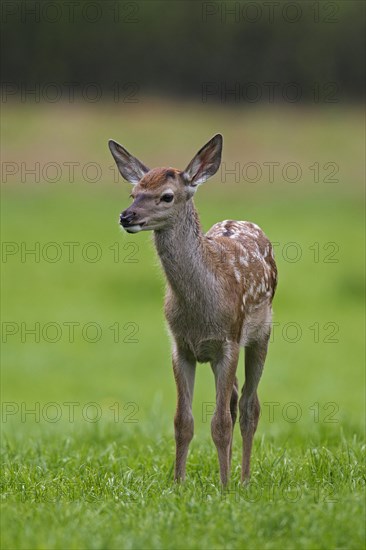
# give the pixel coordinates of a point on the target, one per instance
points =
(181, 249)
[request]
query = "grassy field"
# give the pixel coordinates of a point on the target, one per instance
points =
(88, 395)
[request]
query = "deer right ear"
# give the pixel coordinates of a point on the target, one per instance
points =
(129, 166)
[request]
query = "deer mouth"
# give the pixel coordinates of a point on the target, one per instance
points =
(134, 228)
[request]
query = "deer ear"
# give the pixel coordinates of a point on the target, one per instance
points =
(129, 166)
(206, 163)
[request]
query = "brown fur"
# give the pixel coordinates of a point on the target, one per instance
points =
(153, 179)
(220, 287)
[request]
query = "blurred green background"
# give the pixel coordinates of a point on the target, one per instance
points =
(96, 369)
(316, 354)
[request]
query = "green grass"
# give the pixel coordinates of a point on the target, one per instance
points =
(70, 482)
(100, 489)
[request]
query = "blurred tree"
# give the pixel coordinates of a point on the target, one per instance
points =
(175, 47)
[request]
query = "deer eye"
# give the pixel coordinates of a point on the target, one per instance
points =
(167, 197)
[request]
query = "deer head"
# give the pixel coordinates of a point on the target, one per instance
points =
(160, 193)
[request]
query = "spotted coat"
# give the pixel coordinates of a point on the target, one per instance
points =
(220, 284)
(252, 262)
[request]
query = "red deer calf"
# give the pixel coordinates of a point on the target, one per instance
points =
(220, 287)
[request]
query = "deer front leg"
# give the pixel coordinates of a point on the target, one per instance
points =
(234, 413)
(184, 367)
(223, 419)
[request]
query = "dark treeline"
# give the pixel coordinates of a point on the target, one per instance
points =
(215, 51)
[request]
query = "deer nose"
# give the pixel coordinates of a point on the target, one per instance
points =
(126, 217)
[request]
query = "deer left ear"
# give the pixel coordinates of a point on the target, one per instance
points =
(206, 163)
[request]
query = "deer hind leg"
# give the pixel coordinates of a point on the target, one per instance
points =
(224, 416)
(249, 407)
(184, 368)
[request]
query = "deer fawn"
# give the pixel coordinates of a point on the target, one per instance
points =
(219, 295)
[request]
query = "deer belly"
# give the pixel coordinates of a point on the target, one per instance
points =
(206, 351)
